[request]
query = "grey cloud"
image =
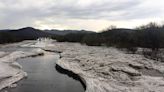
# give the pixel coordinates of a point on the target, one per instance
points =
(15, 13)
(95, 11)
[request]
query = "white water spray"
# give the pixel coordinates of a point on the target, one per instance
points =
(43, 42)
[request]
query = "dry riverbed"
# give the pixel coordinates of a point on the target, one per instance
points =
(102, 69)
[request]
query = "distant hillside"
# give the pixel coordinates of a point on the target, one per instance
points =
(65, 32)
(29, 33)
(119, 30)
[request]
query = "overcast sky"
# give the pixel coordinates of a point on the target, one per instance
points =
(79, 14)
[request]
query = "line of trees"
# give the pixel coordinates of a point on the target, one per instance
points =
(7, 37)
(146, 36)
(150, 36)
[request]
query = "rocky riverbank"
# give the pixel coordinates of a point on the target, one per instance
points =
(10, 70)
(104, 69)
(110, 70)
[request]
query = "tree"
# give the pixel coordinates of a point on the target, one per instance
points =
(150, 36)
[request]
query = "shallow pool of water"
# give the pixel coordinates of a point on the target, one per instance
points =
(44, 77)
